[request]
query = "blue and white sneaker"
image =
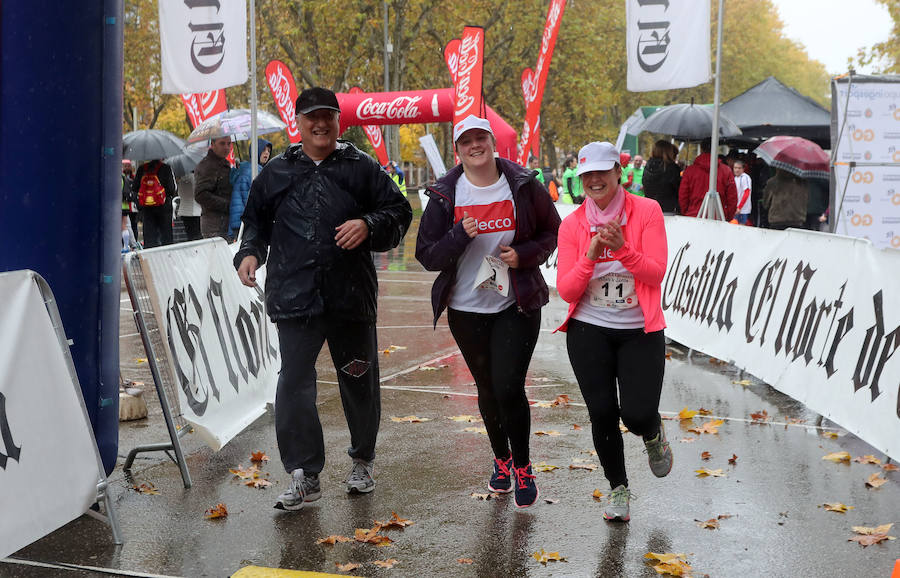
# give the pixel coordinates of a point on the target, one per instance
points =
(526, 487)
(501, 479)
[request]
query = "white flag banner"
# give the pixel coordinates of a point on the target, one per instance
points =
(667, 43)
(203, 44)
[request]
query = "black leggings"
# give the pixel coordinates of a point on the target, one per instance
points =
(600, 356)
(497, 348)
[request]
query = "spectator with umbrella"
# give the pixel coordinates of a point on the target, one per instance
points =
(787, 196)
(154, 183)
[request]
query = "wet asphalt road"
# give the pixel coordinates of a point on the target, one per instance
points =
(426, 472)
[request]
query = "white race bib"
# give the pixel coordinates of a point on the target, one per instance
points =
(493, 275)
(614, 291)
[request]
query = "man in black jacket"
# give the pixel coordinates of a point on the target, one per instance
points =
(314, 215)
(157, 180)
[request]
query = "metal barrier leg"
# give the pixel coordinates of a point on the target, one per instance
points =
(174, 436)
(109, 517)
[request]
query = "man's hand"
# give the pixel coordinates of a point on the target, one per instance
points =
(247, 270)
(470, 225)
(509, 256)
(351, 234)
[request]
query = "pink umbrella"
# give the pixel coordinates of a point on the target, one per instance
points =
(795, 155)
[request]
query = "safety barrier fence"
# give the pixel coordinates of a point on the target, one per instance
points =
(50, 468)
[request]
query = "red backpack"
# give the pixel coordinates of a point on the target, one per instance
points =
(151, 192)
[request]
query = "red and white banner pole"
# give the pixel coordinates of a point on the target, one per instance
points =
(284, 90)
(469, 74)
(541, 70)
(376, 138)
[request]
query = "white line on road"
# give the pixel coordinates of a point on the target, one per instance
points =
(65, 566)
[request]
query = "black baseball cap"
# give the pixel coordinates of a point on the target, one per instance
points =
(315, 98)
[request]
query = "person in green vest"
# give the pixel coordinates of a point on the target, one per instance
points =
(572, 191)
(397, 176)
(534, 165)
(637, 176)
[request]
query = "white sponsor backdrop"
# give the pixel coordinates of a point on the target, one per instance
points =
(814, 315)
(203, 47)
(49, 464)
(868, 135)
(223, 350)
(667, 44)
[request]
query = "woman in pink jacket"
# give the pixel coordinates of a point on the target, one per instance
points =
(612, 259)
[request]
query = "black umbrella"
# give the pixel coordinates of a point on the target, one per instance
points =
(185, 161)
(688, 122)
(150, 144)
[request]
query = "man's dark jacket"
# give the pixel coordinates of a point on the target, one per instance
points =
(293, 209)
(212, 186)
(661, 180)
(441, 242)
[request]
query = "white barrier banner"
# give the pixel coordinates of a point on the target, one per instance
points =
(203, 44)
(223, 350)
(667, 44)
(814, 315)
(49, 465)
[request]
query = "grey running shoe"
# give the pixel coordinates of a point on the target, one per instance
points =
(617, 506)
(659, 454)
(303, 488)
(362, 477)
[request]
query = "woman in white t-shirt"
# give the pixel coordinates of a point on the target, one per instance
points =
(488, 226)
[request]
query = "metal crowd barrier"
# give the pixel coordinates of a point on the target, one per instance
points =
(157, 358)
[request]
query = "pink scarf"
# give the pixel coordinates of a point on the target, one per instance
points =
(597, 217)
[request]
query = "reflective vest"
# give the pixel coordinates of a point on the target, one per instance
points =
(402, 185)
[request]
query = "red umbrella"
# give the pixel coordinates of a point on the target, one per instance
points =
(795, 155)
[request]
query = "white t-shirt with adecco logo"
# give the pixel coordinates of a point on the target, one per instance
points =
(494, 210)
(610, 299)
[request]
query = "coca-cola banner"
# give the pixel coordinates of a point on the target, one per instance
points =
(528, 88)
(469, 72)
(203, 105)
(451, 56)
(408, 107)
(281, 83)
(533, 110)
(203, 45)
(375, 136)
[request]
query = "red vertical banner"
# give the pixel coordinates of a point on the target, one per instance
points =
(281, 83)
(451, 57)
(528, 90)
(469, 74)
(375, 135)
(533, 110)
(201, 106)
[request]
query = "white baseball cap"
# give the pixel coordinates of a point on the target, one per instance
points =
(597, 156)
(469, 123)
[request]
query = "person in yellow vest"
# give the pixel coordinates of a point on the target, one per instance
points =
(397, 176)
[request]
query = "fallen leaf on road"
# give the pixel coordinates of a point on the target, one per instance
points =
(466, 418)
(875, 481)
(597, 495)
(882, 529)
(146, 488)
(836, 507)
(709, 427)
(483, 496)
(670, 564)
(478, 430)
(431, 367)
(622, 428)
(258, 483)
(245, 474)
(711, 524)
(733, 459)
(837, 457)
(890, 467)
(868, 536)
(395, 522)
(332, 540)
(217, 511)
(141, 360)
(543, 557)
(704, 472)
(389, 563)
(348, 567)
(589, 452)
(259, 457)
(760, 416)
(668, 355)
(576, 426)
(547, 433)
(561, 401)
(542, 467)
(410, 419)
(551, 501)
(705, 456)
(744, 382)
(867, 459)
(392, 349)
(544, 404)
(704, 411)
(465, 560)
(715, 361)
(588, 467)
(687, 413)
(687, 440)
(795, 420)
(724, 516)
(371, 536)
(830, 434)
